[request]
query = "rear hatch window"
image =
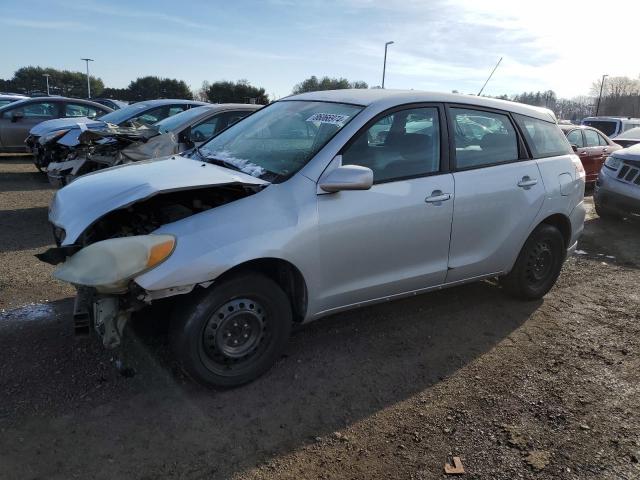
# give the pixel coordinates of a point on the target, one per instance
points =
(608, 127)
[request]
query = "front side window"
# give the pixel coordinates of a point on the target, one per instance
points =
(545, 139)
(591, 138)
(603, 141)
(403, 144)
(42, 110)
(575, 138)
(152, 116)
(204, 130)
(280, 139)
(483, 138)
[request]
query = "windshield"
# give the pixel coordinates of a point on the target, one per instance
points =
(605, 126)
(281, 138)
(124, 114)
(171, 123)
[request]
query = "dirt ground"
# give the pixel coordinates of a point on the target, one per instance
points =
(540, 390)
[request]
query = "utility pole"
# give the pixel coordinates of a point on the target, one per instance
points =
(490, 75)
(600, 96)
(88, 83)
(46, 75)
(384, 65)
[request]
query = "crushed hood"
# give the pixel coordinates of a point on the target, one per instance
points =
(79, 204)
(63, 123)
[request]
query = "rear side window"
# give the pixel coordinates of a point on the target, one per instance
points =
(483, 138)
(545, 139)
(575, 138)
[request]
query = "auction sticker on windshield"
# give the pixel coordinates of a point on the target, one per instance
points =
(332, 118)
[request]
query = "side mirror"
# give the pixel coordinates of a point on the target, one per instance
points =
(574, 147)
(347, 177)
(17, 115)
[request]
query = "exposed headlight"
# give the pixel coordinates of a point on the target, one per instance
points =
(109, 265)
(51, 136)
(613, 163)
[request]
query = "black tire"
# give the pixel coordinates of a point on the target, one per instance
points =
(248, 309)
(606, 214)
(538, 265)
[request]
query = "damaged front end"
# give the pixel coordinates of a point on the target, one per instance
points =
(92, 150)
(105, 227)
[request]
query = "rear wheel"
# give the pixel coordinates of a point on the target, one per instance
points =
(234, 332)
(538, 265)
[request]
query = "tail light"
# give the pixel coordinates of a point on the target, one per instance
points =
(577, 164)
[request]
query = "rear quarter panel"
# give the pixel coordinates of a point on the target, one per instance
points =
(564, 192)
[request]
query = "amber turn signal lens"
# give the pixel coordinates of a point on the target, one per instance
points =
(159, 252)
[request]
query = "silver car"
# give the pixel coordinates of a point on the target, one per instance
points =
(617, 191)
(316, 204)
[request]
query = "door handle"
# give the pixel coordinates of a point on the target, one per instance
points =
(527, 182)
(437, 196)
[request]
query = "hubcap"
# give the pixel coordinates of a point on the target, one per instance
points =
(541, 262)
(235, 330)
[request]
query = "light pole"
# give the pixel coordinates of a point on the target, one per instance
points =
(46, 75)
(88, 84)
(600, 96)
(384, 65)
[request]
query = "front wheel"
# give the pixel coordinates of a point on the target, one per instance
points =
(233, 332)
(538, 265)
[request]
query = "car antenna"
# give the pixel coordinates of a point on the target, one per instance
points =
(490, 75)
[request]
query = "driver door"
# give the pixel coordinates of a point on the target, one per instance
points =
(13, 133)
(393, 238)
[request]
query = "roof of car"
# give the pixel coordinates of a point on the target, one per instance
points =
(10, 95)
(172, 101)
(565, 126)
(53, 98)
(389, 98)
(631, 134)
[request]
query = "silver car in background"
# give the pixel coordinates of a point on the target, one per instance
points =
(617, 191)
(115, 145)
(316, 204)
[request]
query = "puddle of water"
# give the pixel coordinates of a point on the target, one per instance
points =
(29, 313)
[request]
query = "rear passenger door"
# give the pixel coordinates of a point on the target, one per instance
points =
(595, 157)
(498, 192)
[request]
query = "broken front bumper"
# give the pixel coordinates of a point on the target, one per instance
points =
(106, 315)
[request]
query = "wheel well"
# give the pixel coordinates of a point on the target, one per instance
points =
(562, 223)
(285, 274)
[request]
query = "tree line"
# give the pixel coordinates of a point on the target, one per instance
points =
(620, 98)
(32, 81)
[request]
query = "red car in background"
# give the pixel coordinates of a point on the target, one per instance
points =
(592, 146)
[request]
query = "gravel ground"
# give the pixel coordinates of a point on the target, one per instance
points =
(542, 390)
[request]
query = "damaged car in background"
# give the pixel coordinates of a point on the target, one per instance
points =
(43, 143)
(95, 149)
(300, 211)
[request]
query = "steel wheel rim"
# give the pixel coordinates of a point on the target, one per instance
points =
(540, 265)
(235, 332)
